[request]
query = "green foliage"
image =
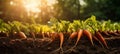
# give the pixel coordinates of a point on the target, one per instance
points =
(90, 24)
(74, 26)
(15, 25)
(2, 25)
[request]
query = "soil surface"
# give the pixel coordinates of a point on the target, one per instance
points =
(47, 46)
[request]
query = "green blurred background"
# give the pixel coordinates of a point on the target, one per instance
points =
(11, 10)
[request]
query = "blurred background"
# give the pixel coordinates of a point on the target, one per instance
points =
(41, 11)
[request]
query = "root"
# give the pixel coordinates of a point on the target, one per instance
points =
(47, 44)
(58, 50)
(112, 38)
(71, 49)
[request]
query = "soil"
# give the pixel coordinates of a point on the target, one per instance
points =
(47, 46)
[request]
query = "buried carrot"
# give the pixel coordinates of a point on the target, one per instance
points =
(80, 31)
(106, 33)
(54, 35)
(100, 37)
(21, 35)
(95, 38)
(73, 35)
(114, 34)
(32, 34)
(89, 35)
(61, 39)
(61, 36)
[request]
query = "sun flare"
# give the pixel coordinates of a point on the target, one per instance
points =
(33, 5)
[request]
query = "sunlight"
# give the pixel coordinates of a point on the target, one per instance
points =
(82, 3)
(33, 5)
(11, 2)
(51, 2)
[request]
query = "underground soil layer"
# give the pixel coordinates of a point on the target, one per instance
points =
(46, 46)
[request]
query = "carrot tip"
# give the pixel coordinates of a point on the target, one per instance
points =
(92, 43)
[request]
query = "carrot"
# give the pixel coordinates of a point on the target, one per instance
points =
(61, 39)
(53, 35)
(43, 35)
(115, 34)
(61, 43)
(100, 37)
(80, 31)
(39, 35)
(21, 35)
(109, 32)
(95, 38)
(32, 34)
(73, 35)
(89, 35)
(105, 33)
(48, 34)
(56, 35)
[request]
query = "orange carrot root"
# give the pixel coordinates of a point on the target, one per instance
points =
(32, 34)
(61, 36)
(100, 37)
(73, 35)
(89, 35)
(96, 39)
(61, 39)
(105, 33)
(20, 35)
(79, 36)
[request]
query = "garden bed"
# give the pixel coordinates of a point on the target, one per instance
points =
(45, 46)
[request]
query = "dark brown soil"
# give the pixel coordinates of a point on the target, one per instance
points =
(46, 46)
